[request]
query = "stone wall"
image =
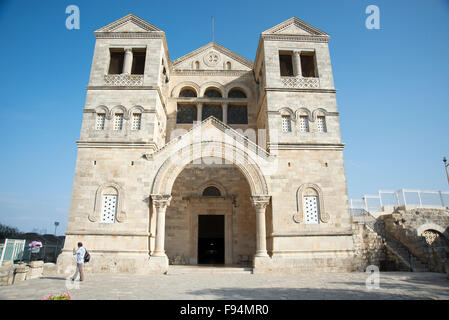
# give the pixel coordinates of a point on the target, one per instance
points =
(409, 228)
(369, 247)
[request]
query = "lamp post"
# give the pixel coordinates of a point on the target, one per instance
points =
(56, 225)
(445, 167)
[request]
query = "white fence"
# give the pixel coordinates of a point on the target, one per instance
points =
(11, 250)
(387, 200)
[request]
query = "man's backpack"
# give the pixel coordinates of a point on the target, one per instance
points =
(86, 257)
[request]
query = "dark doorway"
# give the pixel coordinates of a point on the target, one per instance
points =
(211, 239)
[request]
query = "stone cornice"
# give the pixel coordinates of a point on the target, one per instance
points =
(122, 88)
(301, 90)
(297, 38)
(309, 233)
(129, 35)
(306, 146)
(106, 233)
(116, 144)
(90, 110)
(229, 73)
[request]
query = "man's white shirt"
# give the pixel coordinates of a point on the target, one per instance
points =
(80, 252)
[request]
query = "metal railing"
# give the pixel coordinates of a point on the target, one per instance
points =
(406, 198)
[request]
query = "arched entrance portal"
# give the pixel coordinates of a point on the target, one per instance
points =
(211, 219)
(162, 195)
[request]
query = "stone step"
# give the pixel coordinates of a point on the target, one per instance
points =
(207, 269)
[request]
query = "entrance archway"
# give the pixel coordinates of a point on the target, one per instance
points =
(177, 161)
(201, 195)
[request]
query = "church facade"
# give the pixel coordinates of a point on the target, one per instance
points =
(210, 158)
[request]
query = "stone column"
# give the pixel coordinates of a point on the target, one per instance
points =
(260, 203)
(160, 203)
(128, 61)
(199, 112)
(225, 113)
(159, 260)
(297, 63)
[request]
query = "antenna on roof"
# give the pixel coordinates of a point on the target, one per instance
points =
(212, 28)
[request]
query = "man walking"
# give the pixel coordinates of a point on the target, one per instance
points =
(80, 252)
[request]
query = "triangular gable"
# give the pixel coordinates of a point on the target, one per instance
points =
(129, 23)
(205, 56)
(295, 26)
(221, 129)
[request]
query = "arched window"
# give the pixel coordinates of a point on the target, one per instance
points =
(286, 123)
(228, 65)
(321, 124)
(109, 203)
(118, 121)
(303, 124)
(196, 65)
(211, 191)
(187, 93)
(212, 93)
(99, 124)
(236, 93)
(136, 121)
(311, 206)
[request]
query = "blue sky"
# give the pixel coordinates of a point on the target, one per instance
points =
(393, 87)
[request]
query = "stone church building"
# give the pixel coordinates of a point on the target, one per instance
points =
(210, 158)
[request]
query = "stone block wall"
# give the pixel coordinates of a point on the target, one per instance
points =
(409, 227)
(369, 247)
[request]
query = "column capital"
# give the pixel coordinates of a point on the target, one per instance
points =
(296, 52)
(161, 200)
(261, 201)
(128, 49)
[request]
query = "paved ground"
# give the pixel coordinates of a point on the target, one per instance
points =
(393, 285)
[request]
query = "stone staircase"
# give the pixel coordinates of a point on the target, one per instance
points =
(406, 257)
(401, 252)
(208, 269)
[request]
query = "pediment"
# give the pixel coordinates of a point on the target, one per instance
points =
(295, 26)
(129, 23)
(212, 57)
(212, 129)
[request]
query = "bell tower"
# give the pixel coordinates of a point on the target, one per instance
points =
(298, 109)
